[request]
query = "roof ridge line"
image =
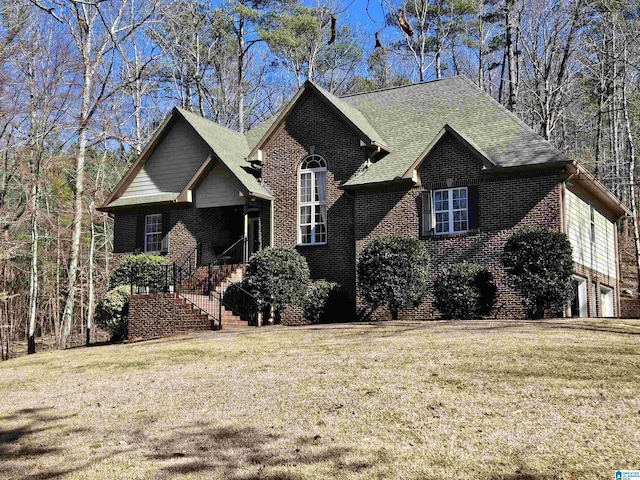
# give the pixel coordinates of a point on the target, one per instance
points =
(217, 124)
(413, 84)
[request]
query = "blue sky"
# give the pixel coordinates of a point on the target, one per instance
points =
(357, 14)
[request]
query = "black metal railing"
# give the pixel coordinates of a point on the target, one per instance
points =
(233, 255)
(226, 263)
(188, 264)
(201, 285)
(241, 302)
(151, 278)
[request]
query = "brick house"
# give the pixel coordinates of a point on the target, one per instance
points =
(439, 160)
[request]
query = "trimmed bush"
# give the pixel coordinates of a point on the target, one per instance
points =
(321, 301)
(464, 290)
(393, 272)
(539, 264)
(277, 277)
(151, 271)
(111, 313)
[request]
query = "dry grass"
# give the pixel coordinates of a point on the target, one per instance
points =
(472, 400)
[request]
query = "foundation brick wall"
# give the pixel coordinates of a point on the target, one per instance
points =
(293, 315)
(161, 315)
(506, 203)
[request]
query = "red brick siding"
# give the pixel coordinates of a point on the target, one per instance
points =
(216, 228)
(505, 204)
(312, 123)
(630, 307)
(161, 315)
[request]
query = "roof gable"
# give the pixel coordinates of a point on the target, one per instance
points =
(347, 113)
(465, 140)
(226, 146)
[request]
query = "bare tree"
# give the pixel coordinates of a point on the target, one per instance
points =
(97, 29)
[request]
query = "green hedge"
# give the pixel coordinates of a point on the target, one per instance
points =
(539, 265)
(149, 271)
(464, 290)
(393, 272)
(111, 313)
(323, 302)
(277, 277)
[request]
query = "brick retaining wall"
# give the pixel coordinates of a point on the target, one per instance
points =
(161, 315)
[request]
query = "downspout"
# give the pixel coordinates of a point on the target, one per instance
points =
(271, 227)
(245, 245)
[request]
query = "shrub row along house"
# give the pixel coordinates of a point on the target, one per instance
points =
(440, 160)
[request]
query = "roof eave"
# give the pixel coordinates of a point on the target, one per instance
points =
(262, 196)
(579, 173)
(110, 209)
(382, 183)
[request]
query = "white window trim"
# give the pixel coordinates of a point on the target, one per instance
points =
(606, 302)
(313, 203)
(147, 234)
(450, 210)
(583, 306)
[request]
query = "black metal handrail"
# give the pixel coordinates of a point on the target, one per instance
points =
(240, 302)
(190, 260)
(235, 254)
(152, 278)
(225, 263)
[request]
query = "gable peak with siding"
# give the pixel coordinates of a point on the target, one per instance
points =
(176, 154)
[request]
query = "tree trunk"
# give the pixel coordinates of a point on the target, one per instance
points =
(481, 45)
(511, 54)
(91, 301)
(33, 271)
(240, 79)
(67, 316)
(632, 168)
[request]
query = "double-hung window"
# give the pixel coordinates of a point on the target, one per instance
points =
(153, 233)
(312, 214)
(451, 210)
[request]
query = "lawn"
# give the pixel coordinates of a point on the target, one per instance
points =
(433, 400)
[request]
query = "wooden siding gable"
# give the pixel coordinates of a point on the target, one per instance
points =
(172, 164)
(219, 188)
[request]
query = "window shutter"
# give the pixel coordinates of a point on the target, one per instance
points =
(164, 249)
(427, 228)
(474, 202)
(140, 233)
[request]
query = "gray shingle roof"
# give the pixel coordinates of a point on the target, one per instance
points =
(404, 120)
(409, 117)
(231, 148)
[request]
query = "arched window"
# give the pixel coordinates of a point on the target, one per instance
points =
(312, 208)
